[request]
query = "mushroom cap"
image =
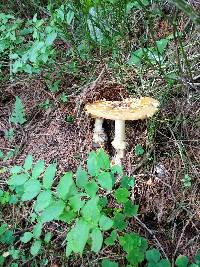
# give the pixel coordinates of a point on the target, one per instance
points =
(128, 109)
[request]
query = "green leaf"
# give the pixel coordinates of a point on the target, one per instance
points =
(3, 228)
(92, 164)
(91, 188)
(103, 160)
(181, 261)
(105, 180)
(28, 163)
(65, 184)
(37, 230)
(197, 257)
(76, 202)
(18, 179)
(53, 211)
(43, 201)
(122, 195)
(38, 169)
(119, 222)
(127, 182)
(35, 248)
(77, 237)
(164, 263)
(108, 263)
(161, 45)
(68, 216)
(136, 57)
(97, 240)
(130, 209)
(116, 169)
(153, 255)
(51, 38)
(70, 16)
(18, 114)
(110, 241)
(26, 237)
(81, 177)
(31, 189)
(105, 223)
(16, 169)
(139, 151)
(91, 212)
(47, 237)
(49, 175)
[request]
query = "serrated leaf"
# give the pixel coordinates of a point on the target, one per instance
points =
(103, 160)
(18, 179)
(49, 176)
(105, 223)
(153, 255)
(81, 177)
(28, 163)
(91, 188)
(31, 189)
(122, 195)
(65, 184)
(97, 240)
(108, 263)
(92, 164)
(35, 248)
(43, 201)
(110, 241)
(119, 222)
(38, 169)
(105, 180)
(26, 237)
(77, 237)
(37, 230)
(53, 211)
(91, 212)
(130, 209)
(18, 114)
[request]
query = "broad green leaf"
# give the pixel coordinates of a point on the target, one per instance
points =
(65, 184)
(31, 189)
(92, 164)
(68, 216)
(38, 169)
(18, 114)
(26, 237)
(51, 38)
(47, 237)
(139, 151)
(81, 177)
(37, 230)
(18, 179)
(49, 175)
(153, 255)
(130, 209)
(35, 248)
(119, 222)
(103, 160)
(110, 241)
(91, 212)
(28, 163)
(3, 228)
(122, 195)
(136, 57)
(16, 169)
(43, 201)
(91, 188)
(197, 257)
(127, 182)
(97, 240)
(105, 180)
(76, 202)
(77, 237)
(166, 263)
(161, 45)
(181, 261)
(70, 16)
(53, 211)
(108, 263)
(105, 223)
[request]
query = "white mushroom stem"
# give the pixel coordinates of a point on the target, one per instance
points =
(119, 141)
(98, 136)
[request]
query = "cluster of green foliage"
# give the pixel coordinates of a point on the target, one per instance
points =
(81, 201)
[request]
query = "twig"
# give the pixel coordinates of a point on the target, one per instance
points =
(153, 235)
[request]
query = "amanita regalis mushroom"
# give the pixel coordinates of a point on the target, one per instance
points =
(120, 111)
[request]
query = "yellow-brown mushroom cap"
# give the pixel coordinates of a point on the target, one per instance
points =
(128, 109)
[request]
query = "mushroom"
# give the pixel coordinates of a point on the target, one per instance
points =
(120, 111)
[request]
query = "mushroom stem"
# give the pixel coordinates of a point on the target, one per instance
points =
(119, 141)
(99, 135)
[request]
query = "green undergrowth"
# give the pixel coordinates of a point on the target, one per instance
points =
(79, 204)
